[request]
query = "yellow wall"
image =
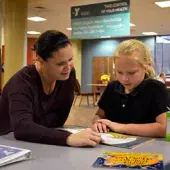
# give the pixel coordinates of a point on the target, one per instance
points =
(15, 28)
(77, 46)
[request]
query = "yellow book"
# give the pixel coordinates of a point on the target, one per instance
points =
(130, 160)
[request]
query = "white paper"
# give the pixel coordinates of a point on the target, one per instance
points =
(110, 140)
(106, 138)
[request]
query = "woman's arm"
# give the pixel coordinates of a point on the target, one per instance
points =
(24, 124)
(25, 127)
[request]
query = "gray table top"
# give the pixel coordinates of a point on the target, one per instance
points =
(69, 158)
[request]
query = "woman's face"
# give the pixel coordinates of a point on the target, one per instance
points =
(59, 66)
(129, 72)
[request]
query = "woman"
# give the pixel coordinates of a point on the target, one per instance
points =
(38, 98)
(162, 77)
(135, 104)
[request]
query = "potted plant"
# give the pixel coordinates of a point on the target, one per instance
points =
(105, 78)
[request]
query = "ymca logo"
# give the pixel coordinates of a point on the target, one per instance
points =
(76, 11)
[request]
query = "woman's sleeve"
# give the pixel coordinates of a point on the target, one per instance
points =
(21, 115)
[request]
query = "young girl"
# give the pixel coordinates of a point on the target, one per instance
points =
(134, 104)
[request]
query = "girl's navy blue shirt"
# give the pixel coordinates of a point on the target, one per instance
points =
(142, 105)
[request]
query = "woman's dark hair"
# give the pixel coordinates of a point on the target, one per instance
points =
(49, 42)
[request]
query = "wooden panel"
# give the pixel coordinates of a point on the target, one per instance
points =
(2, 62)
(100, 66)
(30, 52)
(3, 52)
(112, 76)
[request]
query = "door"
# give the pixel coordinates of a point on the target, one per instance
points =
(101, 65)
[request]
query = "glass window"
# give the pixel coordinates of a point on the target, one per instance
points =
(162, 57)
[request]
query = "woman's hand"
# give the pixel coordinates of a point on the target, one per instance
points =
(86, 137)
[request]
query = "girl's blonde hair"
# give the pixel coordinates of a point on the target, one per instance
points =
(143, 56)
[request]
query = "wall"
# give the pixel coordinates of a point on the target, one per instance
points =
(77, 50)
(103, 47)
(90, 49)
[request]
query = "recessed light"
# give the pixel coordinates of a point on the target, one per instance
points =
(163, 4)
(36, 19)
(149, 33)
(33, 32)
(69, 29)
(132, 25)
(105, 37)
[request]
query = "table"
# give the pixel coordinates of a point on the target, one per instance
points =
(102, 86)
(99, 85)
(69, 158)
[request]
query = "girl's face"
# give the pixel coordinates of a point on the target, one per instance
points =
(129, 72)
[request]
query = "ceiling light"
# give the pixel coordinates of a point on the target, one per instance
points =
(163, 4)
(149, 33)
(36, 19)
(33, 32)
(132, 25)
(69, 29)
(105, 37)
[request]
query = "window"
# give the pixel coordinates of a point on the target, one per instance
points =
(162, 55)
